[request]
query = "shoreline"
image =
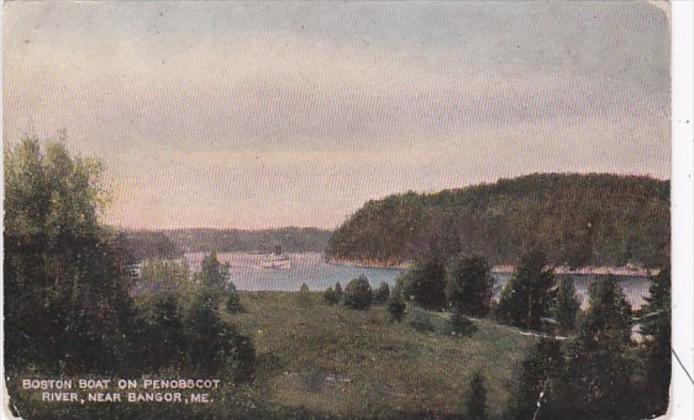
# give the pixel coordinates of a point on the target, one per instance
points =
(627, 270)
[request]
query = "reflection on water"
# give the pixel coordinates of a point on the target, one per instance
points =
(310, 268)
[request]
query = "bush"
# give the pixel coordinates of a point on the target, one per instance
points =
(382, 293)
(304, 297)
(420, 321)
(461, 324)
(329, 296)
(338, 291)
(476, 399)
(396, 307)
(358, 293)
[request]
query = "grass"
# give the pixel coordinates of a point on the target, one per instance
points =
(333, 360)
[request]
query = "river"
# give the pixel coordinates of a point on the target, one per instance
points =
(310, 268)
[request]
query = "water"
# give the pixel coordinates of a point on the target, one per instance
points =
(318, 275)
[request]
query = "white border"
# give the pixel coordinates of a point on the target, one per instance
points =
(682, 390)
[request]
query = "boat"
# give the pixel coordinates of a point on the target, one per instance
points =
(276, 261)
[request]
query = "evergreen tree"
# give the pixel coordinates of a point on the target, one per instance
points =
(476, 399)
(600, 369)
(535, 396)
(329, 296)
(469, 285)
(382, 293)
(461, 324)
(358, 293)
(527, 297)
(164, 338)
(425, 283)
(566, 305)
(396, 307)
(213, 273)
(304, 296)
(656, 328)
(233, 300)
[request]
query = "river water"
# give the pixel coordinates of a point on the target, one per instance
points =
(318, 275)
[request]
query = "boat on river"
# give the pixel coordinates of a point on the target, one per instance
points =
(276, 261)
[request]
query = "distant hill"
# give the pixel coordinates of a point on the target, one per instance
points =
(579, 220)
(291, 239)
(143, 244)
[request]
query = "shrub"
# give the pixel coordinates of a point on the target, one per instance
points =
(304, 297)
(338, 291)
(396, 307)
(382, 293)
(476, 399)
(420, 321)
(358, 293)
(461, 324)
(329, 296)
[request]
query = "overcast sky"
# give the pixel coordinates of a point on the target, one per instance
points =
(259, 115)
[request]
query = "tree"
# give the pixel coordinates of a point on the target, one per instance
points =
(67, 307)
(358, 293)
(213, 273)
(425, 283)
(476, 399)
(338, 291)
(527, 297)
(396, 307)
(233, 300)
(303, 299)
(329, 296)
(382, 293)
(600, 369)
(541, 374)
(469, 285)
(214, 345)
(566, 305)
(656, 328)
(164, 338)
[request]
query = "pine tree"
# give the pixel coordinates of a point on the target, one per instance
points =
(656, 328)
(358, 294)
(329, 296)
(338, 292)
(600, 369)
(425, 283)
(476, 399)
(469, 285)
(382, 293)
(566, 305)
(527, 297)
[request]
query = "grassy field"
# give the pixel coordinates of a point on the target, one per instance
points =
(334, 360)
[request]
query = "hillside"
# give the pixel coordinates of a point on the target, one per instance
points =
(291, 239)
(579, 220)
(143, 244)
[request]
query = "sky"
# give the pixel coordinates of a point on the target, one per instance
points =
(257, 115)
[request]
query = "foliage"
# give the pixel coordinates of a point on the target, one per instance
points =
(396, 307)
(163, 343)
(460, 323)
(212, 273)
(421, 321)
(469, 285)
(566, 305)
(581, 219)
(425, 282)
(527, 297)
(656, 327)
(382, 293)
(329, 296)
(476, 399)
(358, 293)
(600, 370)
(303, 298)
(215, 345)
(233, 302)
(290, 239)
(159, 275)
(67, 307)
(541, 370)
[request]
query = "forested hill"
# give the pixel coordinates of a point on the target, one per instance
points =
(173, 243)
(291, 239)
(578, 220)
